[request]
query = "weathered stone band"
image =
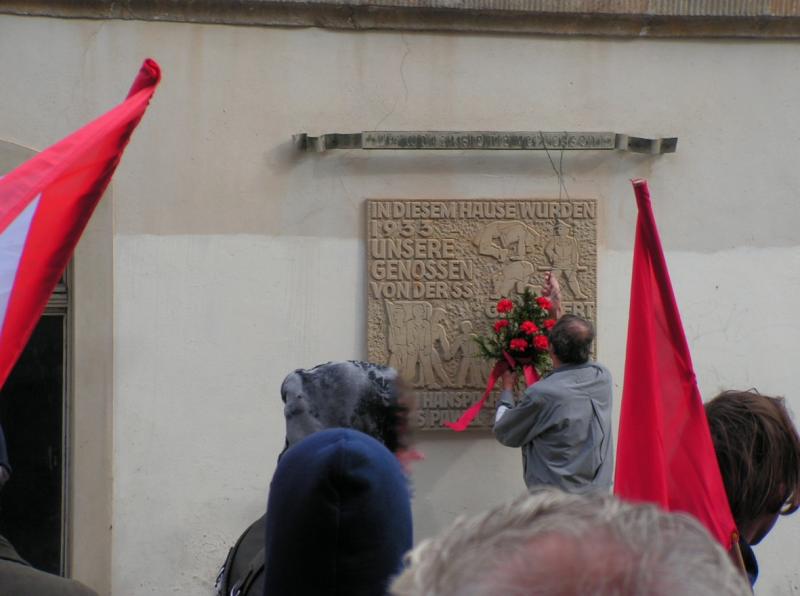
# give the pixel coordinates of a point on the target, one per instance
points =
(758, 19)
(485, 140)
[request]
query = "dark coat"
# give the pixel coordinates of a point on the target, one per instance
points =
(5, 466)
(18, 578)
(4, 451)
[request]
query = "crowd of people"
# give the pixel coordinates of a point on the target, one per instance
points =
(338, 519)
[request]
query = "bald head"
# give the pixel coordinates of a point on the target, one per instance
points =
(571, 338)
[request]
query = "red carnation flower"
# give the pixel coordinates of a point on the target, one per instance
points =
(529, 327)
(498, 325)
(540, 342)
(505, 305)
(544, 303)
(549, 324)
(519, 345)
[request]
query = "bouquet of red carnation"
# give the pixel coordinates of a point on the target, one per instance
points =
(519, 336)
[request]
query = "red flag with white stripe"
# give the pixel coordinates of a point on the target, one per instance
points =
(45, 205)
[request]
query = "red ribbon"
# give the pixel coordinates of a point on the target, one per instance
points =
(531, 376)
(467, 417)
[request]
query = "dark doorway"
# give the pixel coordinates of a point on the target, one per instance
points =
(32, 414)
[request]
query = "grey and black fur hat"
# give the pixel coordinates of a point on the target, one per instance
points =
(351, 394)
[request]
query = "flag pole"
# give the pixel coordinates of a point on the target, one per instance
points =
(736, 554)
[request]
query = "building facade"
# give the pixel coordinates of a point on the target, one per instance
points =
(223, 257)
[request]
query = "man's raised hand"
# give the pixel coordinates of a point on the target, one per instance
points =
(551, 290)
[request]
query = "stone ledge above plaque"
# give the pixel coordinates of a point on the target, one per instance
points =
(477, 140)
(762, 19)
(436, 269)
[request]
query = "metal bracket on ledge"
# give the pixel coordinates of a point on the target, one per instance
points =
(485, 140)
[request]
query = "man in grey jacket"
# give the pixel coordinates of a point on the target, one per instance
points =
(562, 422)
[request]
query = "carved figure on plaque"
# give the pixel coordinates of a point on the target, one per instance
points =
(515, 276)
(562, 252)
(471, 367)
(498, 238)
(422, 357)
(397, 340)
(439, 336)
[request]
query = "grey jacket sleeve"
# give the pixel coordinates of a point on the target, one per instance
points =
(506, 399)
(522, 423)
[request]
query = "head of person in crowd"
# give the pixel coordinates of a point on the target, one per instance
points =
(367, 397)
(338, 517)
(758, 451)
(571, 340)
(557, 544)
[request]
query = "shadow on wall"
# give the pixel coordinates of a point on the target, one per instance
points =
(12, 155)
(443, 485)
(325, 191)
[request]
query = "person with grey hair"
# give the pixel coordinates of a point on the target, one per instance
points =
(551, 543)
(562, 422)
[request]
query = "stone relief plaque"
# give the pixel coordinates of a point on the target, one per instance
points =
(436, 270)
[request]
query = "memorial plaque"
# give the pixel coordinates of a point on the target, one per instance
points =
(436, 270)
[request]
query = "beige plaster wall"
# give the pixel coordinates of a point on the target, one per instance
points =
(236, 259)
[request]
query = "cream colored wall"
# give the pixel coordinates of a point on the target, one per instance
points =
(237, 259)
(91, 410)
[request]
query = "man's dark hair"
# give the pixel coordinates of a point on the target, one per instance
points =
(572, 339)
(758, 451)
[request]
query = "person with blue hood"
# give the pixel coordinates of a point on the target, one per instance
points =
(363, 396)
(338, 517)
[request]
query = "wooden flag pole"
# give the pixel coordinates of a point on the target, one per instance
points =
(736, 554)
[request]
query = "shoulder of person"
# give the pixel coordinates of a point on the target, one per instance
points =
(599, 369)
(546, 390)
(19, 579)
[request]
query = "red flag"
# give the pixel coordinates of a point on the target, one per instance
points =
(46, 203)
(664, 453)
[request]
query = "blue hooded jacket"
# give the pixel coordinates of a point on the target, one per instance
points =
(338, 517)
